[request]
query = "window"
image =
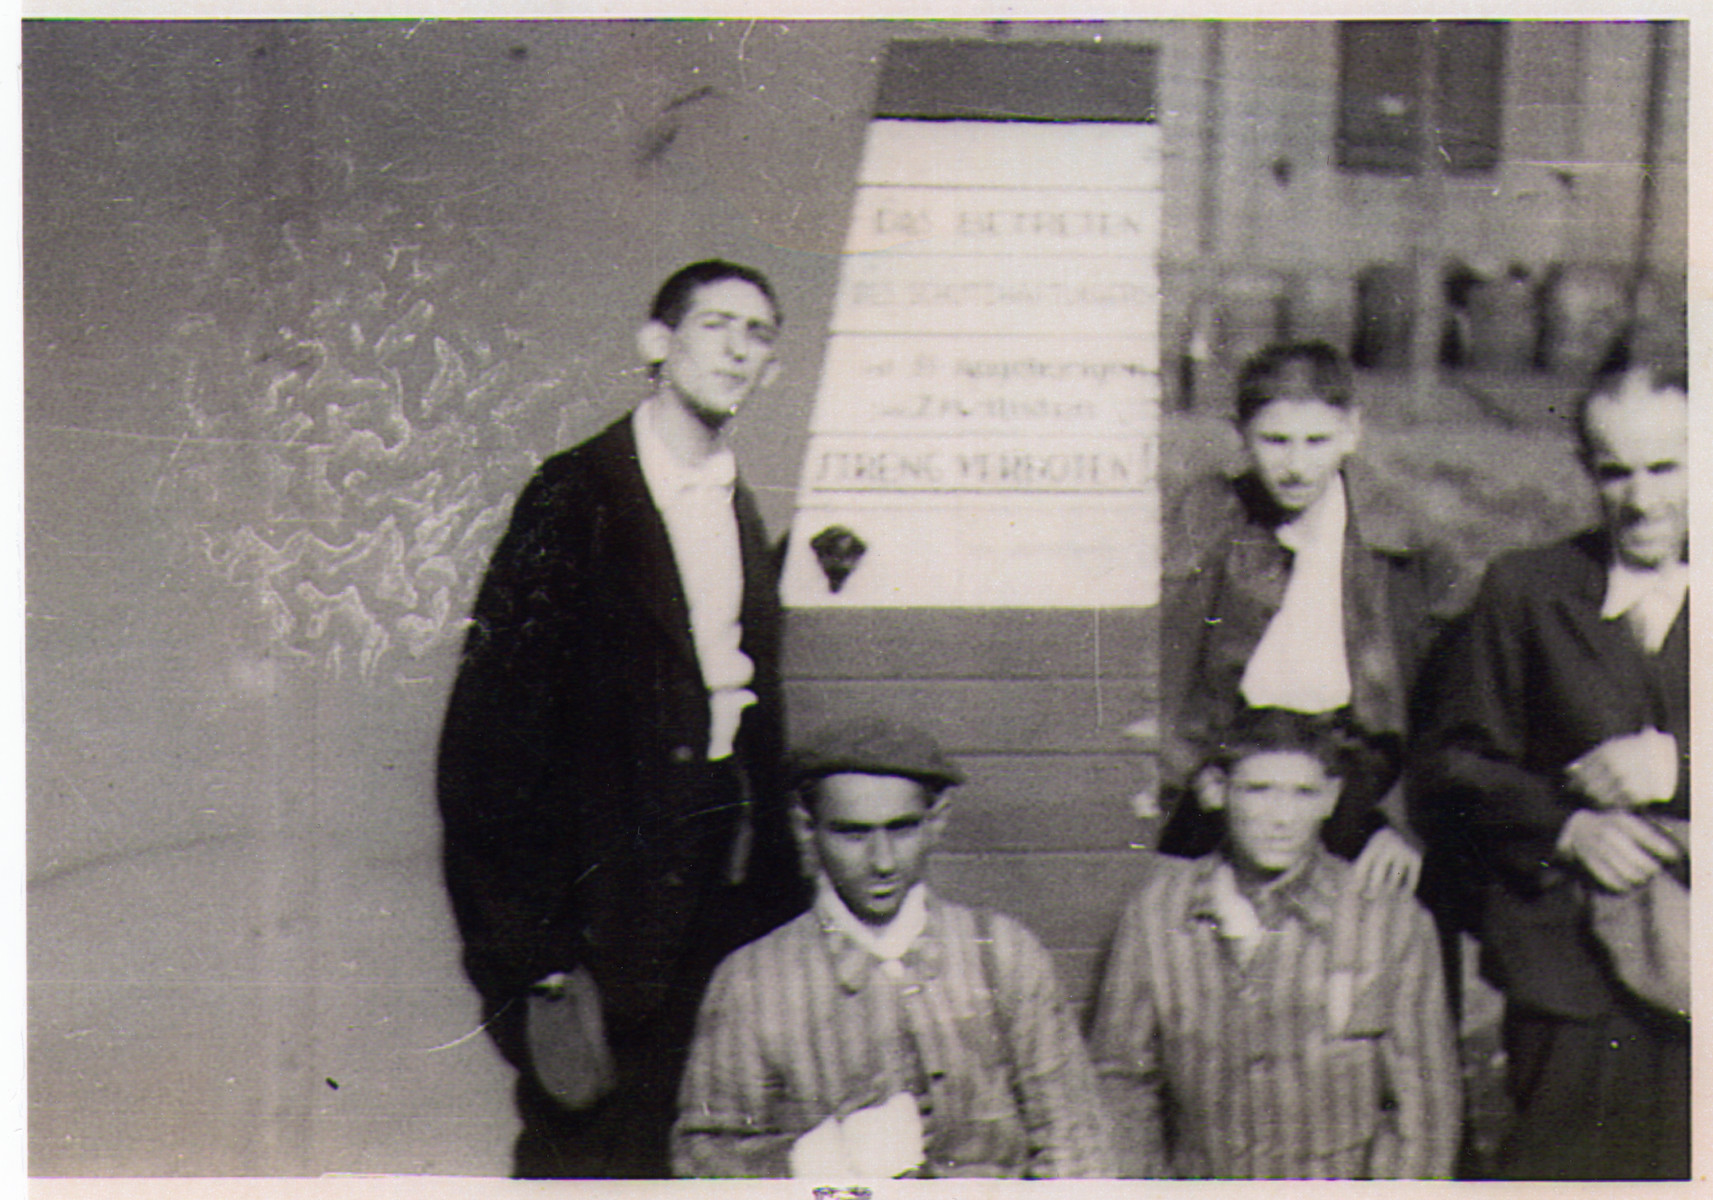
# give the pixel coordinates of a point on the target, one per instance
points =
(1408, 89)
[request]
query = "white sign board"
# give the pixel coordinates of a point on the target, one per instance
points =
(986, 430)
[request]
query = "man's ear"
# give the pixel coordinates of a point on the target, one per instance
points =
(769, 373)
(936, 819)
(653, 340)
(802, 832)
(801, 822)
(1209, 786)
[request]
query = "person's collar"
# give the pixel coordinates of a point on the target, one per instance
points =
(1374, 516)
(1626, 584)
(1378, 516)
(1306, 892)
(665, 464)
(1651, 596)
(889, 942)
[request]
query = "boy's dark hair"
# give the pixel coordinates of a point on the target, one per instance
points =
(1295, 369)
(1327, 737)
(672, 301)
(1617, 368)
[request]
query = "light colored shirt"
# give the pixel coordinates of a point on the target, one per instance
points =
(1648, 600)
(695, 502)
(802, 1025)
(1323, 1052)
(1301, 662)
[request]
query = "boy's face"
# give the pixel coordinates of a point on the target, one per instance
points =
(1296, 445)
(871, 835)
(1275, 803)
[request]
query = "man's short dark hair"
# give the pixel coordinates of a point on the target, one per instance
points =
(1295, 369)
(1616, 369)
(672, 301)
(1327, 737)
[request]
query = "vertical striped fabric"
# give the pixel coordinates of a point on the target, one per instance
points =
(804, 1024)
(1328, 1055)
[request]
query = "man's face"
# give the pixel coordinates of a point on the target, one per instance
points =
(720, 352)
(1638, 442)
(1297, 445)
(1275, 804)
(871, 834)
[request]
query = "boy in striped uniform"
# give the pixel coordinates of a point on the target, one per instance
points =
(1262, 1017)
(885, 1032)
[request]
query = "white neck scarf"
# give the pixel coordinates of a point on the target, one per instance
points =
(1300, 662)
(890, 942)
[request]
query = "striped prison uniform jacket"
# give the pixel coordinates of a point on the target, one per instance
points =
(804, 1024)
(1328, 1054)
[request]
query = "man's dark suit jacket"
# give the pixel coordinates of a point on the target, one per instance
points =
(1534, 680)
(583, 824)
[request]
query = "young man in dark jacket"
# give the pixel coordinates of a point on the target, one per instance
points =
(1283, 589)
(608, 770)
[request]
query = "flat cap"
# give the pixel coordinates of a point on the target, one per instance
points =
(872, 746)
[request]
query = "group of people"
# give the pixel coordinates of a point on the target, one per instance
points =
(706, 956)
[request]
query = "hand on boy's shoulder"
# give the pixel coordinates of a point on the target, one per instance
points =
(1387, 865)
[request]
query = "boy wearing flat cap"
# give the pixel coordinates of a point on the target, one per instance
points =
(885, 1032)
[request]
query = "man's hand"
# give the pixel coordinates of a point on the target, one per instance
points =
(1623, 772)
(568, 1039)
(1619, 849)
(1388, 863)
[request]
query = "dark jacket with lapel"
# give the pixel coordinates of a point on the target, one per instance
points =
(1533, 680)
(583, 824)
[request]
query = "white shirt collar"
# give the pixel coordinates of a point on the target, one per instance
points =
(888, 943)
(1650, 598)
(666, 472)
(695, 504)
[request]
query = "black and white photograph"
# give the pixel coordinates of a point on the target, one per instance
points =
(1199, 516)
